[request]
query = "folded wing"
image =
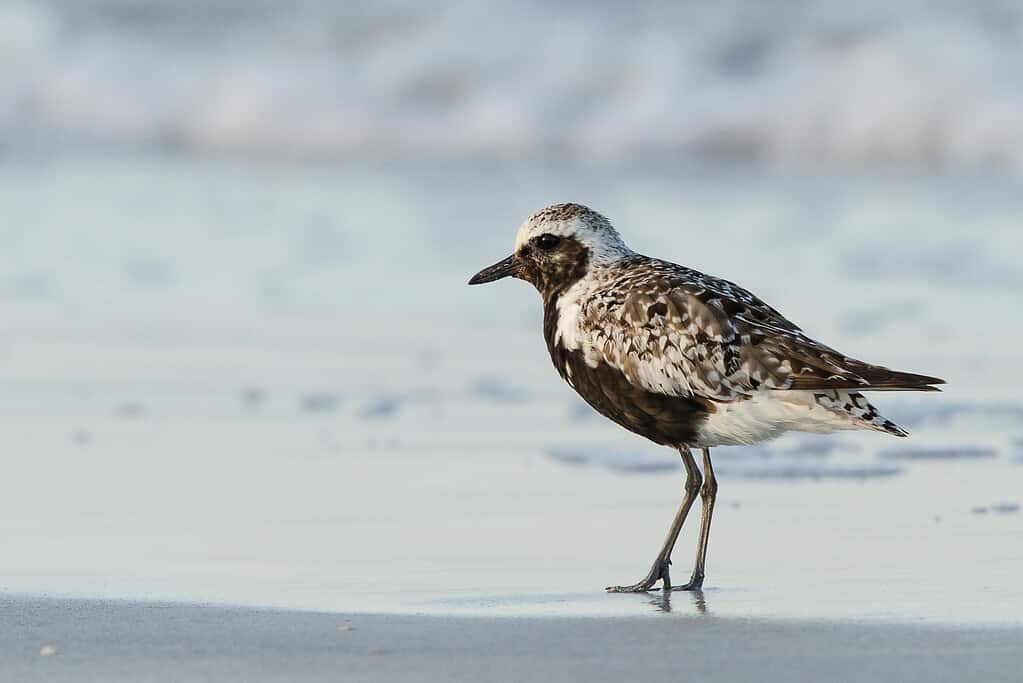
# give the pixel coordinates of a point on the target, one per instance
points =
(684, 333)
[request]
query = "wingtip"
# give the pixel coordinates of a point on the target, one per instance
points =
(911, 382)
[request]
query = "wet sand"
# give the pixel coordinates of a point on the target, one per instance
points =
(82, 641)
(511, 535)
(214, 418)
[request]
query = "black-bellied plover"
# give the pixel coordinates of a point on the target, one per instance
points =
(685, 359)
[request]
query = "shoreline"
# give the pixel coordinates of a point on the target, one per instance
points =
(84, 640)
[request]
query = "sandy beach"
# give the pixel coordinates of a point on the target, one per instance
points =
(229, 417)
(83, 641)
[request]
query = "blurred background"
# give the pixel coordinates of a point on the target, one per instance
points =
(920, 86)
(238, 358)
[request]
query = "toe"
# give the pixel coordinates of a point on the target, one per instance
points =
(636, 588)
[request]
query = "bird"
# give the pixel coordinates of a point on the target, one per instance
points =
(682, 358)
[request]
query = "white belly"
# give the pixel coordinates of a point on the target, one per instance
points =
(767, 415)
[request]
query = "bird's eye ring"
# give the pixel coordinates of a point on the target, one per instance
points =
(547, 241)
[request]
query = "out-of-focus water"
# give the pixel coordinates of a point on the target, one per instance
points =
(339, 292)
(865, 84)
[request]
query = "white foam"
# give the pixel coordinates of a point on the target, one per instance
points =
(917, 85)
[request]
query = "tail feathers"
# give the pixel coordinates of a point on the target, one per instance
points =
(859, 410)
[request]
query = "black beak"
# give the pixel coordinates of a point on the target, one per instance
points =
(497, 271)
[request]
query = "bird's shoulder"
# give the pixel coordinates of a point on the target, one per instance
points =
(633, 283)
(666, 299)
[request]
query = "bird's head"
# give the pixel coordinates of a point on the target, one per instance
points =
(556, 246)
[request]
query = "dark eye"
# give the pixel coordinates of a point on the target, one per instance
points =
(547, 241)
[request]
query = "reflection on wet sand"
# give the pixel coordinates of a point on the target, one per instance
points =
(661, 600)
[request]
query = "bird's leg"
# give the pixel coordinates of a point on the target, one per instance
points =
(659, 571)
(708, 494)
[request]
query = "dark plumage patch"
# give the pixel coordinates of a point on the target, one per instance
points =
(666, 420)
(553, 272)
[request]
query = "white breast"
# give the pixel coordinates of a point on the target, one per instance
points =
(568, 332)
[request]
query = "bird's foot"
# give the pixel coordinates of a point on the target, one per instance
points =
(641, 587)
(695, 583)
(659, 572)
